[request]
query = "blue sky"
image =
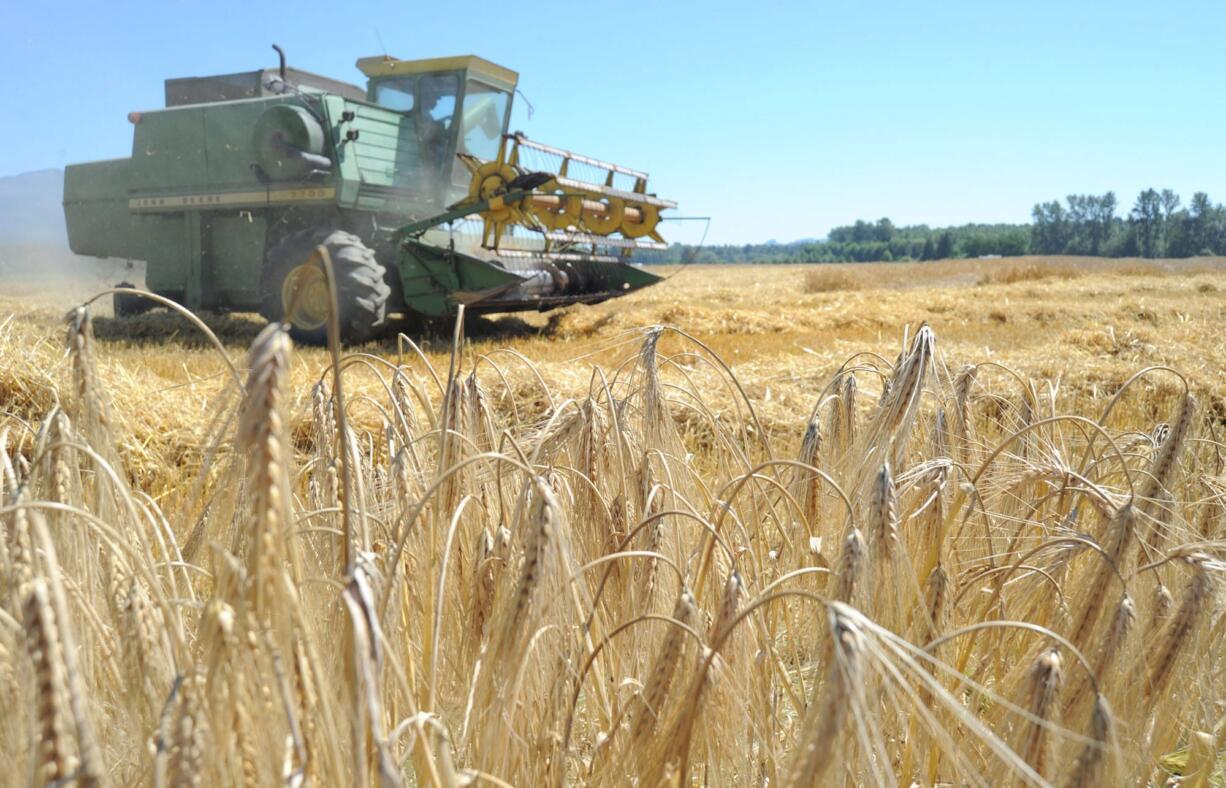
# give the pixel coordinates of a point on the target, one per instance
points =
(779, 120)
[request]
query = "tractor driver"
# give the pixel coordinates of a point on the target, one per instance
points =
(437, 97)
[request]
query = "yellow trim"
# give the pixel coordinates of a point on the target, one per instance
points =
(228, 199)
(386, 66)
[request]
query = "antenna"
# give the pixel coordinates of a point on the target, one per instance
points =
(379, 38)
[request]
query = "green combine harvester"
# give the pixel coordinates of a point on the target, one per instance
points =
(421, 198)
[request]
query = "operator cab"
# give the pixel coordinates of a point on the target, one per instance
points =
(458, 104)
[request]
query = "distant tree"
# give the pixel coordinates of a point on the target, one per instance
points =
(1200, 205)
(1187, 231)
(1206, 226)
(945, 246)
(1050, 232)
(1078, 224)
(1102, 220)
(930, 249)
(1179, 240)
(1126, 244)
(1012, 242)
(1170, 222)
(1170, 203)
(839, 235)
(1146, 220)
(973, 245)
(1200, 214)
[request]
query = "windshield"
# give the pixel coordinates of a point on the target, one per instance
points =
(431, 102)
(483, 119)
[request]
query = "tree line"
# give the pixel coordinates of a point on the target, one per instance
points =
(1085, 224)
(1156, 226)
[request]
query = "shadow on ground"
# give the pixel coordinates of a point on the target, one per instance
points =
(158, 328)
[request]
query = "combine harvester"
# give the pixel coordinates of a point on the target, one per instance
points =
(420, 196)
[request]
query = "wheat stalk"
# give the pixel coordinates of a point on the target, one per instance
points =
(503, 575)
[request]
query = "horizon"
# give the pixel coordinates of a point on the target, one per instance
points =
(1121, 215)
(780, 126)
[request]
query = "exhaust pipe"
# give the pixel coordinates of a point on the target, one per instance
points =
(281, 58)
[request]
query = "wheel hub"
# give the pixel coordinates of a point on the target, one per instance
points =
(305, 300)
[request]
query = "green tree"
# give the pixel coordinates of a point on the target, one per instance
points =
(1078, 224)
(1202, 226)
(1102, 220)
(945, 246)
(1170, 220)
(1146, 221)
(1049, 234)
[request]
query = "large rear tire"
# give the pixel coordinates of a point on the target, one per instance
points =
(293, 287)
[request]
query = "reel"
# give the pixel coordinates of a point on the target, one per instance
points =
(566, 209)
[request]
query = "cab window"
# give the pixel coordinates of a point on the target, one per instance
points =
(483, 119)
(438, 96)
(397, 94)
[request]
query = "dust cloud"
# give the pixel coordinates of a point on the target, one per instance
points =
(53, 275)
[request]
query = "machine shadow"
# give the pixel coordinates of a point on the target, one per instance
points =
(161, 328)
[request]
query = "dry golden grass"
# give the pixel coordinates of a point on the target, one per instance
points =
(1087, 334)
(598, 552)
(1034, 272)
(822, 280)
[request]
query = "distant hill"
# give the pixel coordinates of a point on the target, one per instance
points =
(30, 209)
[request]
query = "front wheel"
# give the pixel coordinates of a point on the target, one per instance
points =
(128, 304)
(294, 287)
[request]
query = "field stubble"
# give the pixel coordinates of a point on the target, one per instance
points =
(796, 537)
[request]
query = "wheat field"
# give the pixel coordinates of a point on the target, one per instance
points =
(939, 524)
